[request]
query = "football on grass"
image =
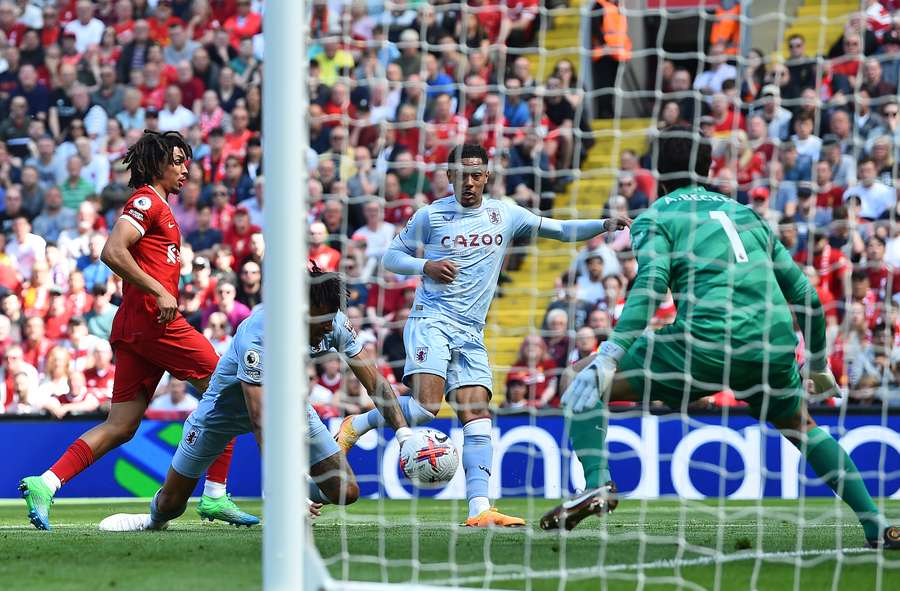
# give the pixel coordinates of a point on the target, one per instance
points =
(428, 458)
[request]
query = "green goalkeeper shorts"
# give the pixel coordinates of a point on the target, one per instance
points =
(773, 390)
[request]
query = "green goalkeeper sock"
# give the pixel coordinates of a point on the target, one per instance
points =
(828, 459)
(587, 432)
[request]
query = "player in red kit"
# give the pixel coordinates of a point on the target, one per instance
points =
(149, 336)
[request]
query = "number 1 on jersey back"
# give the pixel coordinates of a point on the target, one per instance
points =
(740, 253)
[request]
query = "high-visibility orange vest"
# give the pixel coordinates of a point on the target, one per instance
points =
(615, 43)
(727, 29)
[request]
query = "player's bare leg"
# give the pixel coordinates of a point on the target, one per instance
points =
(119, 427)
(418, 409)
(333, 481)
(831, 463)
(471, 406)
(587, 432)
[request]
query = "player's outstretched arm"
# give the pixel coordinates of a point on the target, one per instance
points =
(653, 250)
(804, 302)
(577, 230)
(117, 257)
(810, 316)
(364, 368)
(253, 396)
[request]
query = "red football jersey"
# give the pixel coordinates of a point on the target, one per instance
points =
(157, 253)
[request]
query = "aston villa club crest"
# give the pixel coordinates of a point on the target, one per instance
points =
(191, 437)
(494, 215)
(421, 355)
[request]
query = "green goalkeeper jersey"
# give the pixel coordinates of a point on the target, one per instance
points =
(731, 279)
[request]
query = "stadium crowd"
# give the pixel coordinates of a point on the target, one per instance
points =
(809, 144)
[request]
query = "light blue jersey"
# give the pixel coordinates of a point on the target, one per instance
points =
(476, 240)
(342, 338)
(222, 413)
(222, 405)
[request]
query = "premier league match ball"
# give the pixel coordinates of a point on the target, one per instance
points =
(428, 458)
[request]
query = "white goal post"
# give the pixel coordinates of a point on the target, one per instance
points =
(285, 455)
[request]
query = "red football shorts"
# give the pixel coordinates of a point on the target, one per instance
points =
(181, 351)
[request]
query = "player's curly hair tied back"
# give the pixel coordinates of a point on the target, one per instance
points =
(149, 156)
(327, 290)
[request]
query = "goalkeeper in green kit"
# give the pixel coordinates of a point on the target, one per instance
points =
(734, 286)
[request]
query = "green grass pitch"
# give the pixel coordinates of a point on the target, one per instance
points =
(731, 545)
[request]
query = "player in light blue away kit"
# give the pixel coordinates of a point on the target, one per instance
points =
(233, 405)
(458, 243)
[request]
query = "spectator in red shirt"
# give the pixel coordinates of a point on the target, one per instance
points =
(447, 128)
(831, 264)
(828, 195)
(191, 87)
(99, 377)
(848, 63)
(237, 236)
(330, 374)
(203, 282)
(12, 29)
(52, 30)
(35, 345)
(203, 21)
(518, 23)
(339, 110)
(535, 368)
(153, 89)
(398, 207)
(236, 141)
(78, 301)
(222, 210)
(861, 293)
(883, 278)
(56, 320)
(244, 24)
(327, 258)
(124, 23)
(15, 365)
(758, 135)
(160, 23)
(727, 120)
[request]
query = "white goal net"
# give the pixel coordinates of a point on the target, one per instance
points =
(796, 104)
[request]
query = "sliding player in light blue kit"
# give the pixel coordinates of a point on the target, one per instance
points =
(458, 243)
(233, 406)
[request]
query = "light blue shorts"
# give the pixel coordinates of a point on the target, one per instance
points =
(446, 348)
(200, 445)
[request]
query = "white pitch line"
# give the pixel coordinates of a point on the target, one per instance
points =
(641, 566)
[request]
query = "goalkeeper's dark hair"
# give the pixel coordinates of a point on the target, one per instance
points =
(327, 290)
(467, 151)
(683, 157)
(148, 157)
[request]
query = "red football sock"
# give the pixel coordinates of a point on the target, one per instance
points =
(75, 459)
(218, 470)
